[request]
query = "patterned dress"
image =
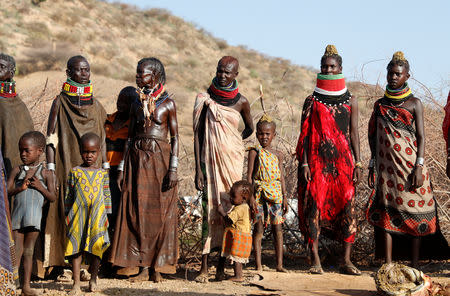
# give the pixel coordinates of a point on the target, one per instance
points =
(267, 180)
(237, 238)
(396, 207)
(87, 204)
(326, 202)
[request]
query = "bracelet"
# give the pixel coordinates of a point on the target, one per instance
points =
(173, 163)
(106, 166)
(121, 165)
(371, 163)
(51, 166)
(305, 165)
(172, 169)
(358, 165)
(420, 161)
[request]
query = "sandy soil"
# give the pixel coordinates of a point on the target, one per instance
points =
(269, 282)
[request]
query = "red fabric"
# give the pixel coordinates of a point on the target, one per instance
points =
(446, 123)
(224, 94)
(330, 161)
(331, 85)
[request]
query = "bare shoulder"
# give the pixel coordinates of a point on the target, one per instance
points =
(169, 103)
(243, 104)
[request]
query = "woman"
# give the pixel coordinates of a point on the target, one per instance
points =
(328, 142)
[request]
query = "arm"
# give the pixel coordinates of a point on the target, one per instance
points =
(354, 135)
(11, 186)
(199, 134)
(372, 135)
(247, 117)
(52, 120)
(251, 165)
(417, 180)
(131, 131)
(303, 172)
(283, 187)
(49, 193)
(173, 129)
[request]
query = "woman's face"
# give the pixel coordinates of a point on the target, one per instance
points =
(330, 66)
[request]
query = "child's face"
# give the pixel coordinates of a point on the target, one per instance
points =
(29, 152)
(397, 76)
(6, 74)
(123, 104)
(90, 150)
(265, 133)
(239, 195)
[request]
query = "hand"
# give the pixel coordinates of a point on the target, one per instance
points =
(120, 180)
(356, 175)
(285, 206)
(371, 178)
(221, 210)
(199, 180)
(246, 133)
(25, 184)
(417, 180)
(173, 178)
(306, 174)
(36, 184)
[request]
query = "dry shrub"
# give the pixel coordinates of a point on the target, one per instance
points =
(37, 30)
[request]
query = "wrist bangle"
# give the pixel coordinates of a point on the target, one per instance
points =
(51, 166)
(106, 166)
(372, 163)
(305, 165)
(358, 165)
(173, 163)
(121, 165)
(420, 161)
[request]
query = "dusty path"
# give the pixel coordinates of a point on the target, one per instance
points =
(297, 282)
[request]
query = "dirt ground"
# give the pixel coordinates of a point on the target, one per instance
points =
(269, 282)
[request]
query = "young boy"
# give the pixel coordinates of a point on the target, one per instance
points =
(265, 172)
(403, 203)
(15, 119)
(30, 184)
(237, 238)
(116, 128)
(87, 204)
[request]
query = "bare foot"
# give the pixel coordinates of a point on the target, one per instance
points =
(92, 286)
(142, 276)
(29, 292)
(202, 277)
(236, 279)
(156, 277)
(282, 269)
(220, 276)
(76, 290)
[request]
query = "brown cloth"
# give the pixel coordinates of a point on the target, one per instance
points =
(72, 123)
(15, 120)
(146, 226)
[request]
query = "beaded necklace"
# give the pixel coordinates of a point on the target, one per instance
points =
(8, 89)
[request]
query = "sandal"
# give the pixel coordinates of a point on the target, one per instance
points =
(349, 269)
(202, 278)
(316, 269)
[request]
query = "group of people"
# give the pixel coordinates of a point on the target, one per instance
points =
(107, 192)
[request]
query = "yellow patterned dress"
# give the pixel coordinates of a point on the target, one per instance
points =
(267, 180)
(87, 203)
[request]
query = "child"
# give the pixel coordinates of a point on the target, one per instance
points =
(30, 184)
(116, 128)
(403, 203)
(264, 171)
(237, 238)
(87, 204)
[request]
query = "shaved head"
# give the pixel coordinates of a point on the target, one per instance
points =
(227, 60)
